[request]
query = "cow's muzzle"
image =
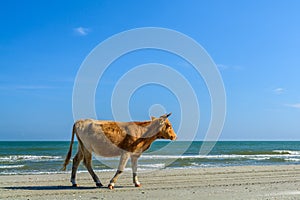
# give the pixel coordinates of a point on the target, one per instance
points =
(173, 137)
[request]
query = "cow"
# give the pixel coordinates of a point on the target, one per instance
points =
(110, 139)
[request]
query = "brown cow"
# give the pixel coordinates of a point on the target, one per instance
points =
(108, 138)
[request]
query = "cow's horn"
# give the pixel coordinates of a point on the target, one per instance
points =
(165, 115)
(168, 115)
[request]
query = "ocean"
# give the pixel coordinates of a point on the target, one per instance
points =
(47, 157)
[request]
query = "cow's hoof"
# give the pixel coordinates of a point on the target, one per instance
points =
(138, 185)
(99, 185)
(75, 185)
(111, 187)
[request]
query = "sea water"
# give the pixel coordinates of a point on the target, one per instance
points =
(47, 156)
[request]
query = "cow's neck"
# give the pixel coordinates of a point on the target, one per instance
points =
(150, 135)
(151, 130)
(143, 143)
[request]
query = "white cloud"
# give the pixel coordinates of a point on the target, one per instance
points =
(26, 87)
(222, 67)
(34, 87)
(296, 105)
(229, 67)
(279, 91)
(81, 31)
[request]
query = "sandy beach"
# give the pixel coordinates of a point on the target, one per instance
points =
(246, 182)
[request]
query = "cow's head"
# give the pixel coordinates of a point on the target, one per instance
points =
(166, 130)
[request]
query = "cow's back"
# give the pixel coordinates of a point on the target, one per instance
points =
(101, 137)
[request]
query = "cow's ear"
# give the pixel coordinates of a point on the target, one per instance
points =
(152, 118)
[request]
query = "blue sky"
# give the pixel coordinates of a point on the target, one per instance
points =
(255, 45)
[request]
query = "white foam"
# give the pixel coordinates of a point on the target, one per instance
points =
(11, 166)
(194, 165)
(287, 152)
(14, 158)
(293, 159)
(157, 165)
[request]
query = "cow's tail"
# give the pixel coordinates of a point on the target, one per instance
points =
(67, 160)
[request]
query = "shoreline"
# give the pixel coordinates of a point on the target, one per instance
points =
(140, 171)
(234, 182)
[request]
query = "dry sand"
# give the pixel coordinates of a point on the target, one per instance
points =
(247, 182)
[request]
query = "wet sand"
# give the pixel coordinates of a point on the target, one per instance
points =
(246, 182)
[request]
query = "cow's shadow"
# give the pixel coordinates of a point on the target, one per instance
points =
(59, 187)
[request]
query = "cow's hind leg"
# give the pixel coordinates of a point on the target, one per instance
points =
(87, 161)
(76, 161)
(134, 162)
(123, 161)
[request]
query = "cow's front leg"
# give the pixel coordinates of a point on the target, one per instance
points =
(123, 161)
(134, 162)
